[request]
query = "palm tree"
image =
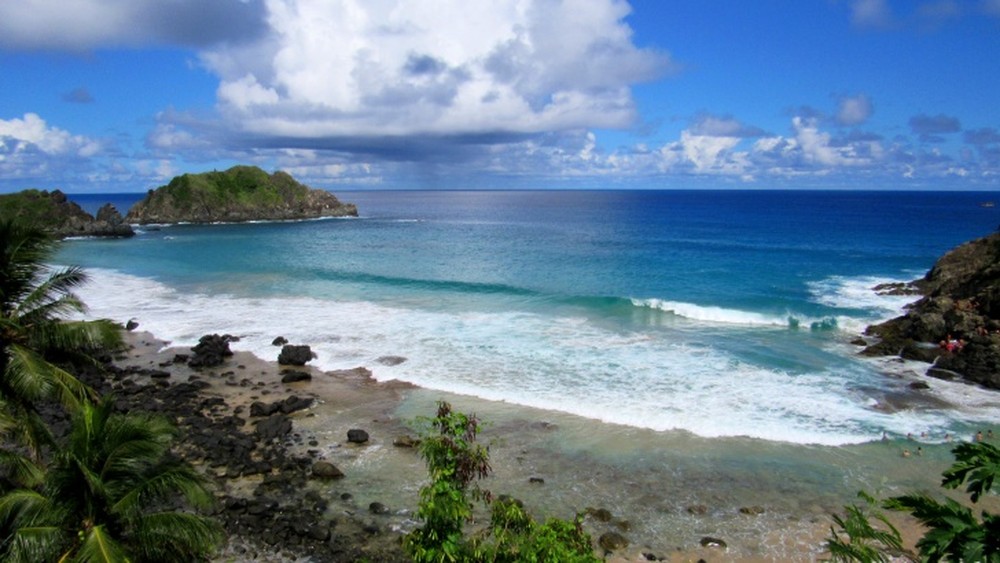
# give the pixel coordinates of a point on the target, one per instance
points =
(112, 493)
(34, 301)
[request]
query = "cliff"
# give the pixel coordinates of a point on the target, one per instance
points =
(961, 304)
(63, 218)
(242, 193)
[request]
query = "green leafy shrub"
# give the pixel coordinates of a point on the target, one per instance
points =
(455, 463)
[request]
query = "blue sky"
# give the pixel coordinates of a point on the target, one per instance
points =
(121, 95)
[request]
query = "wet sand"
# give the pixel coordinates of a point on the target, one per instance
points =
(665, 491)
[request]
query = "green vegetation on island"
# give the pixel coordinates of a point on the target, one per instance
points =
(54, 213)
(241, 193)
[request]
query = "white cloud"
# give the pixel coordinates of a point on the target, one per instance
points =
(31, 132)
(339, 68)
(870, 13)
(854, 110)
(31, 149)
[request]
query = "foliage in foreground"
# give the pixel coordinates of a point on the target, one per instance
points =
(856, 539)
(111, 493)
(455, 463)
(34, 301)
(109, 489)
(954, 532)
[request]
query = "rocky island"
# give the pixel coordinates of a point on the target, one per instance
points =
(61, 217)
(955, 326)
(239, 194)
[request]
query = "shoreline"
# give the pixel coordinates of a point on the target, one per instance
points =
(664, 491)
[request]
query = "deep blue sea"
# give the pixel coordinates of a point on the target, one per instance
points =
(719, 313)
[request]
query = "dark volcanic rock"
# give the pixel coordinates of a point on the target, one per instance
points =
(961, 304)
(611, 541)
(275, 426)
(211, 350)
(258, 408)
(292, 355)
(326, 470)
(390, 360)
(357, 436)
(279, 341)
(292, 376)
(293, 403)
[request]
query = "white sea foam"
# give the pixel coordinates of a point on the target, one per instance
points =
(859, 293)
(663, 380)
(713, 314)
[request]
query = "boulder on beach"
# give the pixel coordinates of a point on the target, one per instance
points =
(294, 376)
(326, 470)
(612, 541)
(956, 324)
(211, 350)
(295, 355)
(357, 436)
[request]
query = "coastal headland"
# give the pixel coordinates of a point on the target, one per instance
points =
(955, 325)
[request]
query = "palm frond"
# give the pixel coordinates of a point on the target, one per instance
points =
(21, 469)
(164, 484)
(36, 543)
(979, 462)
(176, 537)
(26, 506)
(952, 528)
(99, 547)
(864, 542)
(30, 431)
(32, 378)
(52, 296)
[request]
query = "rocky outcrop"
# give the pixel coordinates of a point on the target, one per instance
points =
(55, 213)
(242, 193)
(295, 355)
(956, 324)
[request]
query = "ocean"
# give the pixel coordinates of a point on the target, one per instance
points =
(715, 313)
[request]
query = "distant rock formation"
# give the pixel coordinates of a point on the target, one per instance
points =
(956, 325)
(242, 193)
(55, 213)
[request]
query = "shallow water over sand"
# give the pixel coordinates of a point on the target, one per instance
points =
(665, 490)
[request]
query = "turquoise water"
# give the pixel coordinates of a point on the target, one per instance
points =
(721, 314)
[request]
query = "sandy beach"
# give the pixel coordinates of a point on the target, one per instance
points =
(664, 492)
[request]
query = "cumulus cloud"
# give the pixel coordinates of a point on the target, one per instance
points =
(338, 69)
(31, 132)
(854, 110)
(30, 148)
(930, 128)
(91, 24)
